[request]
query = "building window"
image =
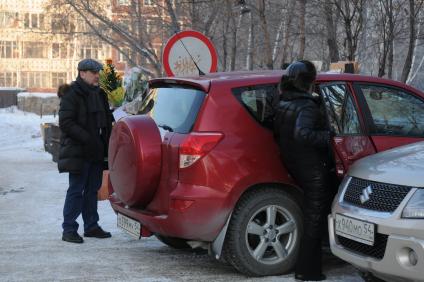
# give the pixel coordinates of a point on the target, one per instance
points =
(58, 78)
(8, 79)
(34, 50)
(59, 51)
(151, 26)
(148, 2)
(61, 24)
(8, 19)
(125, 24)
(9, 49)
(83, 26)
(124, 2)
(90, 51)
(122, 58)
(32, 79)
(33, 20)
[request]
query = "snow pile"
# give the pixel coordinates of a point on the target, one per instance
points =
(20, 129)
(11, 89)
(37, 94)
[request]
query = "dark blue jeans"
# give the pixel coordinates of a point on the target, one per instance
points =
(81, 198)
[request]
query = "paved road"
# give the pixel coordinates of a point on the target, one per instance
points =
(31, 200)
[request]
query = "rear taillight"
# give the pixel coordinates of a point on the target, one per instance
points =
(196, 145)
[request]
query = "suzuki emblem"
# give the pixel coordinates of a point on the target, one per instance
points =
(365, 196)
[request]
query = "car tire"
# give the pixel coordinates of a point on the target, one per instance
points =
(264, 233)
(175, 243)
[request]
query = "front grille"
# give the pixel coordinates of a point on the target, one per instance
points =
(376, 251)
(384, 197)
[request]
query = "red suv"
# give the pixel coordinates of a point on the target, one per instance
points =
(199, 166)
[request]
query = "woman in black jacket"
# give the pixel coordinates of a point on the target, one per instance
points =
(304, 142)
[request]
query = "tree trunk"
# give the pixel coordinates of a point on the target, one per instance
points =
(302, 39)
(382, 58)
(333, 49)
(413, 73)
(284, 57)
(277, 39)
(411, 45)
(351, 11)
(390, 40)
(236, 27)
(250, 49)
(224, 44)
(267, 40)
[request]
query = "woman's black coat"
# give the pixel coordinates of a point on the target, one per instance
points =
(304, 144)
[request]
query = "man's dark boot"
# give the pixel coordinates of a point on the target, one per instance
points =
(72, 237)
(97, 232)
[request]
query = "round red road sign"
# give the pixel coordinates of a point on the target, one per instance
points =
(185, 48)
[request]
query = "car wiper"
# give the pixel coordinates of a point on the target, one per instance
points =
(166, 127)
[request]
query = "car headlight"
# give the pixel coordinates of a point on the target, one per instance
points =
(415, 206)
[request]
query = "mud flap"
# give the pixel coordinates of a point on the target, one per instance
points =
(215, 248)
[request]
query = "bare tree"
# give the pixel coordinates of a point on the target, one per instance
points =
(132, 31)
(414, 8)
(255, 34)
(351, 13)
(251, 39)
(331, 30)
(302, 39)
(287, 34)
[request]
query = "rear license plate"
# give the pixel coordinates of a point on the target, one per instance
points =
(131, 226)
(355, 229)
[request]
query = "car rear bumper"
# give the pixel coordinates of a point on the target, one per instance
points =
(195, 213)
(395, 264)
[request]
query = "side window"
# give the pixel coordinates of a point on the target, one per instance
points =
(393, 111)
(340, 109)
(258, 100)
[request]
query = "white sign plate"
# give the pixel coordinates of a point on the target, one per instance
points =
(185, 50)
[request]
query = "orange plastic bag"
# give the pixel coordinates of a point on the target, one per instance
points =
(103, 193)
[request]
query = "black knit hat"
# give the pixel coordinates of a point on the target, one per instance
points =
(89, 65)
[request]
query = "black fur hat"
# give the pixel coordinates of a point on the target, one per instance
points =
(299, 77)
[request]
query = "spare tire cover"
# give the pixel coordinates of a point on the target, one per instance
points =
(135, 159)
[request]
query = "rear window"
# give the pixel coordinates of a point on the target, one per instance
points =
(259, 101)
(173, 108)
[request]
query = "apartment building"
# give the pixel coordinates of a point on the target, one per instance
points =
(34, 58)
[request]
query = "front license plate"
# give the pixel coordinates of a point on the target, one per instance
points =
(131, 226)
(355, 229)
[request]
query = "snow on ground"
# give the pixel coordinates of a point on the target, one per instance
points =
(32, 193)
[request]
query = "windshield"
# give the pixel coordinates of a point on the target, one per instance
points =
(173, 108)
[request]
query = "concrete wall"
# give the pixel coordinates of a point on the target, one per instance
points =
(39, 103)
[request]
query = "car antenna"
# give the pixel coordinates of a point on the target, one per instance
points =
(199, 70)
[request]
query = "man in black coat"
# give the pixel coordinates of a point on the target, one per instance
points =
(85, 121)
(304, 140)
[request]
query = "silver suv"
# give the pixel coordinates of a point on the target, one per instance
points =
(377, 218)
